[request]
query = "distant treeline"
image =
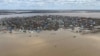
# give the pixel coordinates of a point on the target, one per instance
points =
(46, 11)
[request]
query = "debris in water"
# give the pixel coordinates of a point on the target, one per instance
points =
(74, 36)
(30, 36)
(55, 46)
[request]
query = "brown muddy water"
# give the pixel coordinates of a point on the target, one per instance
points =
(49, 43)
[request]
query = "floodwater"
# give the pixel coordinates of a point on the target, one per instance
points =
(49, 43)
(83, 14)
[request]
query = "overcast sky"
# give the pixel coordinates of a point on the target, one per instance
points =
(50, 4)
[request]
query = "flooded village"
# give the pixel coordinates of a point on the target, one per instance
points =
(50, 34)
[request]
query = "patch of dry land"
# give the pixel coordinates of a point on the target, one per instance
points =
(49, 43)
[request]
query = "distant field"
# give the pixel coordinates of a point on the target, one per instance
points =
(83, 14)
